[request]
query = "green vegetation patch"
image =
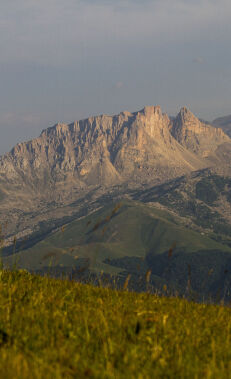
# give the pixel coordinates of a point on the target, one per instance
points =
(61, 329)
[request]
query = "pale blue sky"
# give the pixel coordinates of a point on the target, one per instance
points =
(66, 60)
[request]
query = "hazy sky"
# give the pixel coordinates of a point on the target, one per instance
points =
(66, 60)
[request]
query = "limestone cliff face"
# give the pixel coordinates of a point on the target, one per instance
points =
(145, 150)
(196, 136)
(135, 148)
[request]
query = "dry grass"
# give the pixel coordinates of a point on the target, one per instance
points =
(61, 329)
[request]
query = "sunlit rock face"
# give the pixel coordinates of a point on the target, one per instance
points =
(130, 149)
(195, 135)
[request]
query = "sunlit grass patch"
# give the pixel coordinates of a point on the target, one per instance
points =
(61, 329)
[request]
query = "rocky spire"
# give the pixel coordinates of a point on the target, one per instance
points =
(195, 135)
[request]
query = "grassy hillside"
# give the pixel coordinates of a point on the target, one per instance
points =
(131, 238)
(61, 329)
(125, 229)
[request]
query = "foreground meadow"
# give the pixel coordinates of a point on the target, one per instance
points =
(61, 329)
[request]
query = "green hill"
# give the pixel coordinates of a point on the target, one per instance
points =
(62, 329)
(203, 199)
(131, 238)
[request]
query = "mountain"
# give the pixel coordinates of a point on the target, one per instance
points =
(68, 167)
(126, 194)
(224, 123)
(100, 150)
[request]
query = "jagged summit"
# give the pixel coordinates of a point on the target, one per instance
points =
(185, 111)
(196, 136)
(126, 149)
(147, 112)
(186, 116)
(151, 109)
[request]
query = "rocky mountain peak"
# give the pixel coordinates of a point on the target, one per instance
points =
(152, 122)
(131, 148)
(195, 135)
(152, 110)
(186, 115)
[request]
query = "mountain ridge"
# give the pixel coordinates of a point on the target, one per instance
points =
(108, 139)
(102, 154)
